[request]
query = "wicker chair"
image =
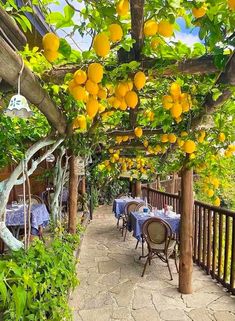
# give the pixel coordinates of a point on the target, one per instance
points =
(158, 235)
(129, 207)
(141, 206)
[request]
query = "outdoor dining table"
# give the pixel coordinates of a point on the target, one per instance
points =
(39, 217)
(137, 220)
(119, 205)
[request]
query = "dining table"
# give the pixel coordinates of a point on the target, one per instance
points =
(15, 218)
(137, 219)
(119, 205)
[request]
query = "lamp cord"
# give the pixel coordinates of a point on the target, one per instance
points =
(13, 46)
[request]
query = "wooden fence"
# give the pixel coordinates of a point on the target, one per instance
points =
(213, 236)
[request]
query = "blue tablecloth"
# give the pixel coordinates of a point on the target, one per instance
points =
(39, 216)
(137, 221)
(119, 205)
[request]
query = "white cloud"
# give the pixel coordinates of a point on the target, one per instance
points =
(187, 38)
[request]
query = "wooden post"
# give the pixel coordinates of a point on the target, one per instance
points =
(73, 194)
(138, 192)
(186, 232)
(158, 182)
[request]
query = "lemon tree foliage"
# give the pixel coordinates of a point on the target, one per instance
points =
(150, 103)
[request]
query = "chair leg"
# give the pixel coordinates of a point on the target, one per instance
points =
(122, 227)
(125, 234)
(142, 245)
(176, 255)
(168, 265)
(118, 222)
(137, 243)
(145, 265)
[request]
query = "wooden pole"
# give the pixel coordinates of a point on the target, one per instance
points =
(138, 189)
(73, 194)
(186, 232)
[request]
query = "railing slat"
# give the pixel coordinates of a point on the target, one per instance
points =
(214, 236)
(209, 240)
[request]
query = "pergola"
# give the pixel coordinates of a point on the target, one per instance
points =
(33, 91)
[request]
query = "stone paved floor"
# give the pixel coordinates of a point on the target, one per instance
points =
(111, 288)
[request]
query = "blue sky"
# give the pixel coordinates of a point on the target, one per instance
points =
(187, 36)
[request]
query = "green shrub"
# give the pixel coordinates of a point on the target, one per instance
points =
(34, 285)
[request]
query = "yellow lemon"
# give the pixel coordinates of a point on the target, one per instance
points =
(121, 90)
(80, 77)
(186, 102)
(118, 139)
(101, 108)
(51, 55)
(167, 102)
(189, 146)
(123, 105)
(101, 44)
(80, 122)
(221, 137)
(172, 138)
(217, 200)
(175, 90)
(102, 93)
(183, 134)
(176, 110)
(71, 85)
(115, 32)
(164, 138)
(79, 93)
(138, 132)
(150, 28)
(92, 107)
(122, 7)
(210, 192)
(50, 42)
(139, 80)
(165, 28)
(145, 143)
(131, 99)
(180, 142)
(129, 84)
(95, 72)
(91, 87)
(199, 12)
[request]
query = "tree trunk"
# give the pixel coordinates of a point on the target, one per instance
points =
(73, 194)
(138, 189)
(186, 232)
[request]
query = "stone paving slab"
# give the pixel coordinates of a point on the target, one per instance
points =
(112, 289)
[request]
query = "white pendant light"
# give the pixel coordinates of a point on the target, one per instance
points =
(18, 106)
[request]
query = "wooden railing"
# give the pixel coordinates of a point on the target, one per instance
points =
(213, 236)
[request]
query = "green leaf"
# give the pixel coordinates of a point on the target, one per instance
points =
(68, 12)
(27, 22)
(198, 50)
(54, 17)
(3, 291)
(19, 298)
(64, 48)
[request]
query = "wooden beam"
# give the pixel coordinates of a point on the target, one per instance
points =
(201, 66)
(186, 232)
(10, 65)
(130, 132)
(9, 29)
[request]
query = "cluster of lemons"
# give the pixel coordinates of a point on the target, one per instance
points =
(86, 87)
(210, 185)
(177, 102)
(140, 164)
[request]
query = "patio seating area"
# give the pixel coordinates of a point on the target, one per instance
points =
(111, 287)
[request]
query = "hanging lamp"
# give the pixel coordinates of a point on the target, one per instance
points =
(18, 106)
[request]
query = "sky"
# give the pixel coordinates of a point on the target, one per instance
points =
(187, 36)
